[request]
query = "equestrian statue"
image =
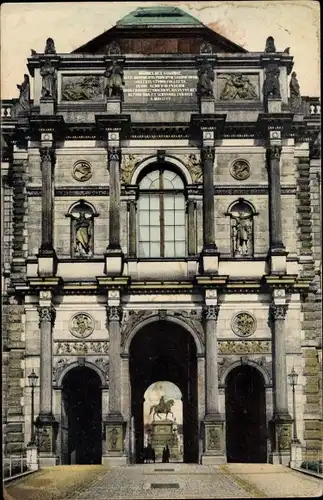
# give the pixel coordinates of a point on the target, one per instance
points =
(162, 407)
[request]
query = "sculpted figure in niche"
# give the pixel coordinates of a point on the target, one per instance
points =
(205, 80)
(295, 93)
(48, 73)
(24, 96)
(238, 87)
(82, 232)
(115, 80)
(241, 229)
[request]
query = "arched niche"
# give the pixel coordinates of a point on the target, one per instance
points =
(82, 214)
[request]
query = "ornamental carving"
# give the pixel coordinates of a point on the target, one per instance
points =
(271, 87)
(240, 170)
(213, 437)
(82, 88)
(278, 311)
(48, 73)
(114, 313)
(47, 155)
(131, 319)
(46, 314)
(103, 364)
(194, 166)
(59, 368)
(238, 87)
(225, 362)
(274, 152)
(243, 324)
(211, 312)
(82, 171)
(206, 77)
(81, 325)
(114, 48)
(79, 348)
(44, 435)
(114, 154)
(244, 347)
(284, 436)
(128, 166)
(207, 153)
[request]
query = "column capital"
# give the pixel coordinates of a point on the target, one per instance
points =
(211, 312)
(207, 153)
(114, 154)
(47, 155)
(278, 311)
(274, 152)
(47, 313)
(114, 313)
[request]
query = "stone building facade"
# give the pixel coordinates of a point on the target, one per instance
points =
(161, 221)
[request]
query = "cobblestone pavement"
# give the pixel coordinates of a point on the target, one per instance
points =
(180, 481)
(161, 481)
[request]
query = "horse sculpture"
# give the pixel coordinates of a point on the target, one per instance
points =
(162, 407)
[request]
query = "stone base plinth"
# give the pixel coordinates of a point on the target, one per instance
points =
(162, 434)
(278, 261)
(47, 106)
(281, 435)
(274, 105)
(210, 263)
(214, 441)
(295, 454)
(114, 105)
(213, 459)
(47, 461)
(47, 263)
(279, 458)
(114, 437)
(207, 105)
(32, 457)
(113, 263)
(112, 461)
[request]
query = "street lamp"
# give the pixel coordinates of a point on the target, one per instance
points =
(32, 379)
(292, 378)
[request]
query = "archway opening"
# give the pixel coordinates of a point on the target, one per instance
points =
(245, 404)
(81, 417)
(163, 351)
(163, 420)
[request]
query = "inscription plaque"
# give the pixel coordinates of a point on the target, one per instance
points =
(160, 86)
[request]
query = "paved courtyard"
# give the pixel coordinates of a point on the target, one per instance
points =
(171, 481)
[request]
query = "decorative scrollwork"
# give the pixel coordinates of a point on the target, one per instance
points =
(278, 311)
(274, 152)
(114, 313)
(243, 324)
(128, 165)
(240, 170)
(47, 155)
(82, 348)
(207, 153)
(244, 347)
(82, 171)
(81, 325)
(211, 312)
(59, 368)
(103, 364)
(114, 154)
(47, 313)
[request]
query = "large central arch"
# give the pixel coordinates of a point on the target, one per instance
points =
(164, 350)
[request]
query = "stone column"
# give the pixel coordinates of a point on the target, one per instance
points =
(47, 256)
(281, 423)
(214, 442)
(277, 248)
(207, 154)
(45, 421)
(212, 385)
(191, 227)
(132, 209)
(114, 205)
(114, 423)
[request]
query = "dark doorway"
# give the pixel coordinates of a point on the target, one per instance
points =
(81, 417)
(245, 405)
(165, 351)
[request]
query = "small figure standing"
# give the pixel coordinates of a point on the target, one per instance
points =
(24, 96)
(48, 73)
(270, 45)
(271, 87)
(167, 453)
(50, 46)
(83, 235)
(295, 93)
(206, 78)
(115, 80)
(241, 235)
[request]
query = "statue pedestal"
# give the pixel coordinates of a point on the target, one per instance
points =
(47, 106)
(274, 105)
(162, 434)
(113, 105)
(207, 105)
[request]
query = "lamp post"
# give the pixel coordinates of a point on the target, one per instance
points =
(292, 378)
(32, 379)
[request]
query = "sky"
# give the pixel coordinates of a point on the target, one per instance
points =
(292, 23)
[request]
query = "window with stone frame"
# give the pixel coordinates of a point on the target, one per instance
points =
(241, 214)
(161, 214)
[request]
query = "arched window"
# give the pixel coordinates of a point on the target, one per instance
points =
(161, 213)
(242, 213)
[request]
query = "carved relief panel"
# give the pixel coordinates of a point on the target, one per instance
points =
(237, 87)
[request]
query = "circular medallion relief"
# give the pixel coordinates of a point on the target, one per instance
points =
(240, 170)
(243, 324)
(81, 325)
(82, 171)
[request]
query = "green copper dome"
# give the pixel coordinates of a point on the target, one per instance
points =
(158, 15)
